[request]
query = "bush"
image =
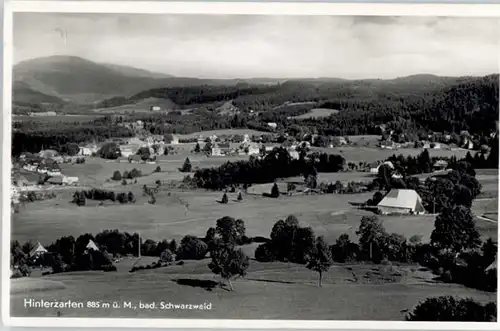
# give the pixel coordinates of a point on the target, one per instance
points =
(108, 268)
(265, 253)
(449, 309)
(158, 169)
(192, 248)
(166, 256)
(116, 175)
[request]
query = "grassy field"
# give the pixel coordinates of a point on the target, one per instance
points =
(96, 171)
(143, 105)
(193, 212)
(317, 113)
(57, 118)
(359, 292)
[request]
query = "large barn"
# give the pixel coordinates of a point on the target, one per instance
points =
(401, 202)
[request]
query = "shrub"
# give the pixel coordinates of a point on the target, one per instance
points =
(158, 169)
(166, 256)
(265, 253)
(224, 198)
(108, 267)
(192, 248)
(116, 175)
(450, 309)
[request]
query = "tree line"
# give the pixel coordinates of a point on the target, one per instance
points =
(276, 164)
(80, 197)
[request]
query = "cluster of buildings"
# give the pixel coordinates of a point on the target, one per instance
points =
(45, 163)
(156, 145)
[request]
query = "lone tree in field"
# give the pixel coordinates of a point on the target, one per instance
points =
(158, 169)
(197, 148)
(116, 175)
(124, 181)
(320, 258)
(239, 198)
(224, 198)
(275, 192)
(455, 230)
(186, 167)
(228, 263)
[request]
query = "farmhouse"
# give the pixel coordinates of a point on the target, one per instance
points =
(84, 151)
(172, 139)
(37, 251)
(253, 149)
(56, 180)
(134, 159)
(155, 108)
(375, 166)
(48, 153)
(70, 180)
(216, 151)
(401, 202)
(440, 165)
(225, 148)
(91, 246)
(492, 266)
(272, 125)
(293, 154)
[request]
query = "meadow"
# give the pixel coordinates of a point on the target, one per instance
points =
(317, 113)
(179, 213)
(357, 292)
(57, 118)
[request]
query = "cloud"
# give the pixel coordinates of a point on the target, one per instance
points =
(258, 46)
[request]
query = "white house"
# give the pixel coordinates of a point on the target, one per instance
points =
(84, 151)
(91, 246)
(401, 202)
(126, 151)
(253, 149)
(37, 251)
(155, 108)
(69, 180)
(272, 125)
(374, 167)
(216, 151)
(293, 154)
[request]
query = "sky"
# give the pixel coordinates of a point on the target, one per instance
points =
(244, 46)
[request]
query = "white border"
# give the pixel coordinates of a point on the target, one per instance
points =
(456, 10)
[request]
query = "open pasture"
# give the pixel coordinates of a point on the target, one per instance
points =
(290, 292)
(178, 213)
(317, 113)
(97, 172)
(143, 106)
(57, 118)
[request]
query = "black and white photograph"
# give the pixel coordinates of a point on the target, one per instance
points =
(254, 167)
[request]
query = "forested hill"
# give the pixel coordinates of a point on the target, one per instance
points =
(408, 104)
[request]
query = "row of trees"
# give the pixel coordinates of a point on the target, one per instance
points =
(132, 174)
(33, 136)
(80, 197)
(276, 164)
